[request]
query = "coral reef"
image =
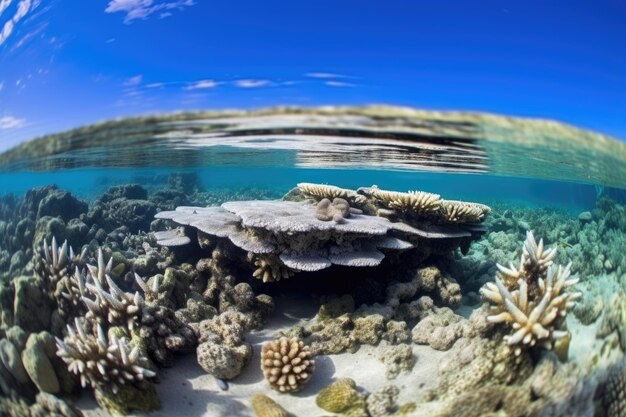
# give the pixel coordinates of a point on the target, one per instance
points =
(299, 236)
(534, 305)
(287, 364)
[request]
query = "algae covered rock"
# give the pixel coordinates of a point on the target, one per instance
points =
(12, 361)
(142, 397)
(31, 306)
(39, 367)
(264, 406)
(342, 397)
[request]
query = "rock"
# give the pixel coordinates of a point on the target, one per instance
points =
(585, 217)
(39, 367)
(61, 204)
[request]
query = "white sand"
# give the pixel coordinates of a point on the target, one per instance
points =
(186, 390)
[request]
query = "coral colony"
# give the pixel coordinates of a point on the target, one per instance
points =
(110, 316)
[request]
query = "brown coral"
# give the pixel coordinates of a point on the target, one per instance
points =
(286, 364)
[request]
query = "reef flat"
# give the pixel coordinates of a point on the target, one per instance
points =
(353, 302)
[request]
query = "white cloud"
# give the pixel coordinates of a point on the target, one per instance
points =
(338, 84)
(10, 122)
(323, 75)
(133, 81)
(3, 5)
(252, 83)
(1, 85)
(155, 85)
(202, 85)
(23, 8)
(142, 9)
(110, 40)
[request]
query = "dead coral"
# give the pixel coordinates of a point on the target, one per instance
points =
(287, 364)
(222, 351)
(535, 305)
(397, 359)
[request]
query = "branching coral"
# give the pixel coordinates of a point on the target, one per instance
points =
(330, 192)
(53, 263)
(286, 364)
(533, 305)
(269, 267)
(101, 360)
(462, 212)
(415, 203)
(111, 303)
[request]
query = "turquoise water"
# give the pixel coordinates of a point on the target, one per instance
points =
(423, 297)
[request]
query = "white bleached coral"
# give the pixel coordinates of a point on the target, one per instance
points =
(415, 202)
(101, 360)
(532, 298)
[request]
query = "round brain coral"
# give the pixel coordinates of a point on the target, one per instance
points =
(286, 364)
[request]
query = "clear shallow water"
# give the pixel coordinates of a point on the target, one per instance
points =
(565, 185)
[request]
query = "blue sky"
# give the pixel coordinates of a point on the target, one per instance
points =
(67, 63)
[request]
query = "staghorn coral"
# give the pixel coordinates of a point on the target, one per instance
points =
(101, 360)
(534, 305)
(264, 406)
(287, 364)
(53, 263)
(116, 306)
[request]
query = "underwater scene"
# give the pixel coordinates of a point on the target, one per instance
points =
(323, 261)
